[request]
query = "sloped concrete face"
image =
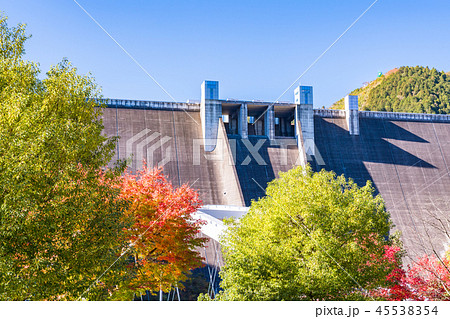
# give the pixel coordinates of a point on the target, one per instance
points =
(225, 167)
(173, 140)
(405, 156)
(259, 161)
(235, 172)
(407, 163)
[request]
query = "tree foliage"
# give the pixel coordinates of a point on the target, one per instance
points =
(406, 89)
(429, 278)
(163, 235)
(70, 227)
(60, 221)
(313, 236)
(426, 278)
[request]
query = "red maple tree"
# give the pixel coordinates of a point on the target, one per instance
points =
(163, 234)
(427, 278)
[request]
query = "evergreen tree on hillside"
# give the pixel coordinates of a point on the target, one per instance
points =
(407, 89)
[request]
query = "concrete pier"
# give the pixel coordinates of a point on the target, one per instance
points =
(242, 121)
(304, 114)
(210, 112)
(351, 114)
(269, 123)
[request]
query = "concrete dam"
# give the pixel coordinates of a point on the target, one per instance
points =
(229, 150)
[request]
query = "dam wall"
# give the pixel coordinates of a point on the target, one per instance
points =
(405, 156)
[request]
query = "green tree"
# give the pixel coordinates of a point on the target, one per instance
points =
(406, 89)
(60, 218)
(313, 236)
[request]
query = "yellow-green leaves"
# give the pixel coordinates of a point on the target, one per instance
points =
(311, 237)
(60, 218)
(11, 40)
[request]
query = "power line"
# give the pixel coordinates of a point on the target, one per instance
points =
(319, 57)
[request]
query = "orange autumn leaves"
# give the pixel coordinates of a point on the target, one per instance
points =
(163, 234)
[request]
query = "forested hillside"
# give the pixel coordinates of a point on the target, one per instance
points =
(406, 89)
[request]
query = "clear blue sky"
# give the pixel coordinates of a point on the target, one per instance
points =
(255, 49)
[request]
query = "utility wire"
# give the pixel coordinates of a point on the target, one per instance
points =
(318, 58)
